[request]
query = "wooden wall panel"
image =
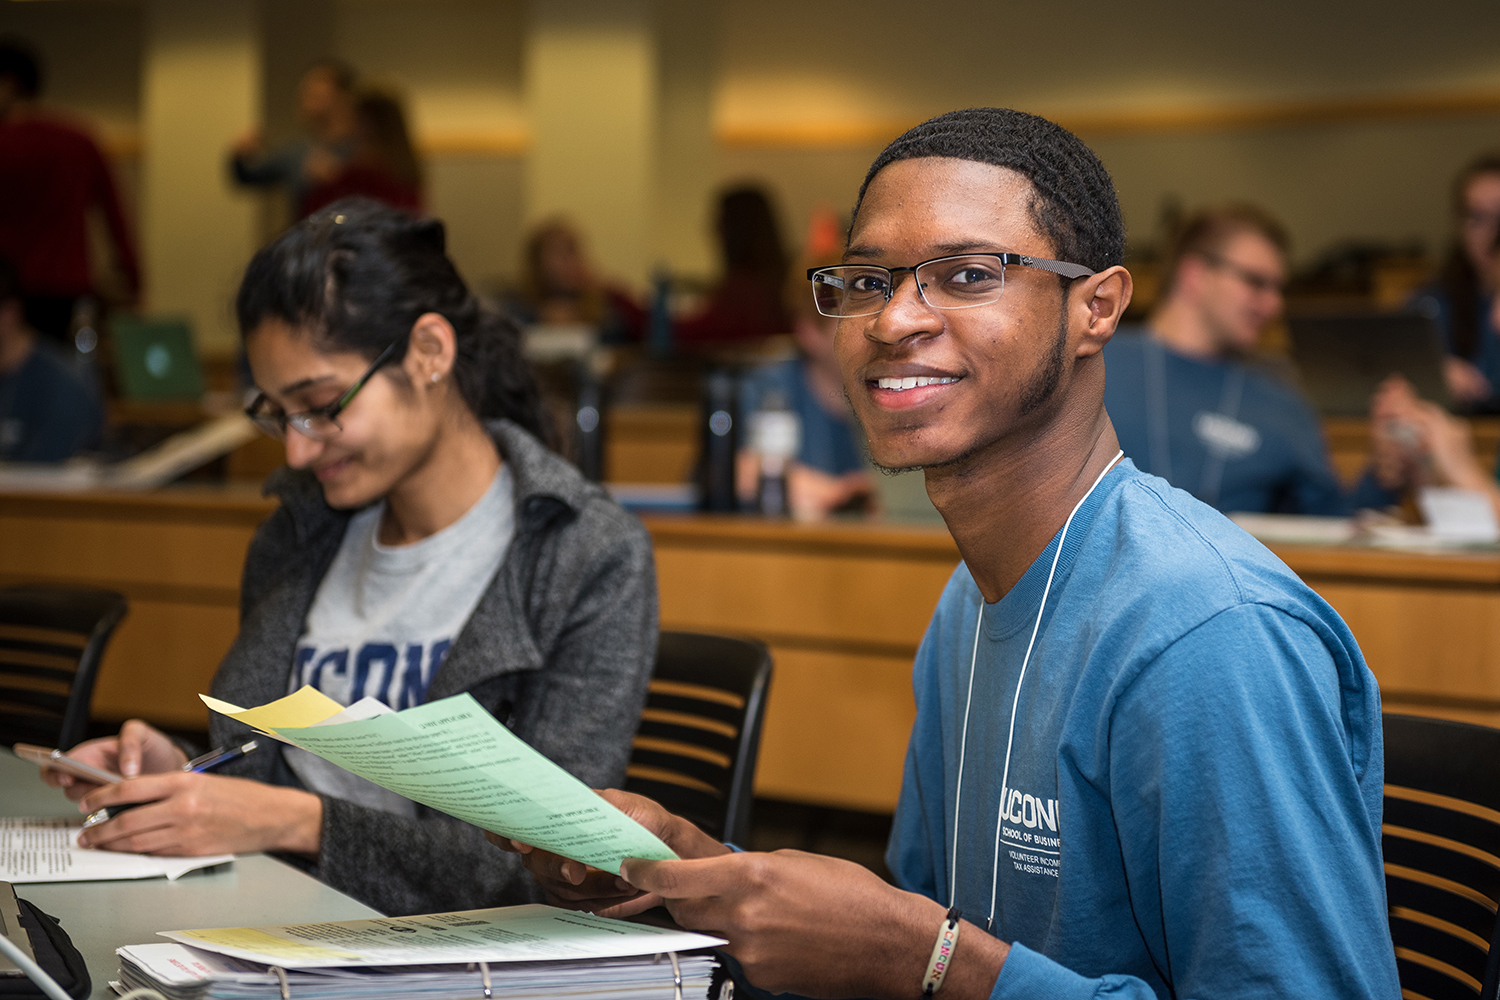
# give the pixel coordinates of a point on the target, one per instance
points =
(161, 658)
(836, 729)
(1439, 641)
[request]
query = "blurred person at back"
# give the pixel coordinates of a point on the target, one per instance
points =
(1463, 296)
(52, 175)
(1417, 443)
(381, 166)
(326, 110)
(829, 472)
(559, 286)
(47, 412)
(747, 304)
(1189, 400)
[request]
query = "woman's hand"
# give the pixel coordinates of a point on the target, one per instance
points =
(139, 749)
(1449, 445)
(577, 886)
(190, 815)
(1466, 384)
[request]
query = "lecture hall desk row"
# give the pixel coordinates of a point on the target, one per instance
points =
(842, 605)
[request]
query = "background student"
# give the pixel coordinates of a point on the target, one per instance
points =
(1462, 297)
(1190, 402)
(382, 164)
(427, 544)
(48, 412)
(746, 306)
(52, 176)
(325, 109)
(828, 472)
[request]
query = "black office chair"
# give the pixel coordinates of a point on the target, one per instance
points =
(699, 736)
(1442, 856)
(51, 642)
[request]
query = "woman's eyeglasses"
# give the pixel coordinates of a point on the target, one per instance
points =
(319, 424)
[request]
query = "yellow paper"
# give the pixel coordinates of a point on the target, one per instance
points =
(307, 706)
(249, 939)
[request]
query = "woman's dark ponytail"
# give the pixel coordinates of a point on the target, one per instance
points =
(357, 275)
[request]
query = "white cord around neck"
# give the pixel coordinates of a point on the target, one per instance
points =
(1010, 738)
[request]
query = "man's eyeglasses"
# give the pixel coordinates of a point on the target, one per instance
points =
(319, 424)
(1256, 281)
(959, 282)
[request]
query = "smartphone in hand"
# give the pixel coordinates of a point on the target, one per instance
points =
(59, 761)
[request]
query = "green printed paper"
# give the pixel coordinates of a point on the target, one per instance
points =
(454, 756)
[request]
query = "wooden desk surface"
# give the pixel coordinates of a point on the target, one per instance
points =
(843, 606)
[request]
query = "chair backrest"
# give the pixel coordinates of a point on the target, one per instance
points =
(51, 642)
(1441, 835)
(699, 736)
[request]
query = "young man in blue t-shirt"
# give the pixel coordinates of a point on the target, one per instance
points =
(1147, 758)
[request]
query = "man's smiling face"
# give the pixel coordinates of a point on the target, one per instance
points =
(990, 371)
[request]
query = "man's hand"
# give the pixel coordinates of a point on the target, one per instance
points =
(190, 815)
(576, 886)
(139, 749)
(817, 926)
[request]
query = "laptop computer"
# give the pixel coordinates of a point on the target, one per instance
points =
(155, 359)
(1342, 357)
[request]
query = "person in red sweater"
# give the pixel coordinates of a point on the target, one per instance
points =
(747, 304)
(52, 175)
(382, 164)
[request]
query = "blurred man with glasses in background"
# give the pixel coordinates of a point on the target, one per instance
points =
(1191, 401)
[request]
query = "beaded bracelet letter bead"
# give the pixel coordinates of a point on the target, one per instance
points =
(942, 953)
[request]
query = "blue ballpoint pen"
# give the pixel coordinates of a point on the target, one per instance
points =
(198, 765)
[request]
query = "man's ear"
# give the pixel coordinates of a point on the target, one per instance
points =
(432, 349)
(1105, 295)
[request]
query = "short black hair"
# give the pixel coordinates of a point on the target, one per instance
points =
(357, 275)
(1075, 206)
(20, 62)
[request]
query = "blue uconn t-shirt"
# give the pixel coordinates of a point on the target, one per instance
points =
(385, 616)
(1192, 806)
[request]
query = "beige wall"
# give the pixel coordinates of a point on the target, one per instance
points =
(822, 91)
(200, 88)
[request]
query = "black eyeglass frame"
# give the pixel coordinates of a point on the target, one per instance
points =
(1061, 267)
(276, 426)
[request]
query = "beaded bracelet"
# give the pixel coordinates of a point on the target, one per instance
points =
(942, 953)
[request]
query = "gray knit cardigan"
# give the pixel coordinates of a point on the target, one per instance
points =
(560, 648)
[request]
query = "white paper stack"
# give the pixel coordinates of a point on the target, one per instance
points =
(182, 973)
(46, 850)
(525, 951)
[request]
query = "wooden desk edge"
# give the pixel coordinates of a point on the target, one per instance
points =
(1387, 566)
(842, 537)
(237, 504)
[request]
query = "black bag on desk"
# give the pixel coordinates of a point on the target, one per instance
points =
(54, 953)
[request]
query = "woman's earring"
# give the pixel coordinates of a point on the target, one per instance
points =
(435, 376)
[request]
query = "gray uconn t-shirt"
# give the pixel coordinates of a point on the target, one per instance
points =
(384, 618)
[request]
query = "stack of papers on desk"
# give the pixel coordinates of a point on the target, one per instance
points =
(46, 850)
(528, 951)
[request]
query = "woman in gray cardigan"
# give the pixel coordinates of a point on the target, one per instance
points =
(427, 544)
